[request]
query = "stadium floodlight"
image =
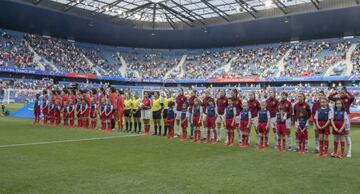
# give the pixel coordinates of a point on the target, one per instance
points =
(268, 3)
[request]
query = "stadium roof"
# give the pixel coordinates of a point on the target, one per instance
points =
(189, 13)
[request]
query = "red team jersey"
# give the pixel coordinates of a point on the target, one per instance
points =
(191, 103)
(180, 100)
(204, 103)
(346, 100)
(237, 104)
(288, 107)
(254, 107)
(221, 104)
(272, 106)
(298, 107)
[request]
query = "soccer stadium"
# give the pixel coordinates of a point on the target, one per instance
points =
(180, 96)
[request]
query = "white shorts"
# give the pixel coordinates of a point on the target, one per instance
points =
(220, 119)
(178, 115)
(272, 123)
(146, 114)
(288, 123)
(254, 122)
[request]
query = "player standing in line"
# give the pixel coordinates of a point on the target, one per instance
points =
(84, 113)
(128, 105)
(196, 120)
(340, 123)
(156, 108)
(230, 117)
(204, 105)
(221, 104)
(323, 118)
(103, 116)
(184, 121)
(120, 110)
(109, 113)
(45, 107)
(168, 98)
(272, 107)
(254, 107)
(145, 113)
(288, 110)
(78, 111)
(170, 120)
(37, 110)
(245, 121)
(113, 97)
(298, 107)
(93, 112)
(65, 114)
(210, 121)
(281, 117)
(314, 108)
(302, 126)
(136, 112)
(52, 108)
(71, 112)
(57, 112)
(347, 99)
(191, 104)
(180, 100)
(238, 106)
(263, 126)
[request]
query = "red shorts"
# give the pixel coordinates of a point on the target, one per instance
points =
(45, 111)
(103, 117)
(93, 114)
(184, 124)
(196, 121)
(210, 122)
(301, 135)
(37, 111)
(110, 116)
(281, 129)
(85, 114)
(339, 124)
(72, 115)
(262, 127)
(244, 125)
(170, 123)
(65, 115)
(326, 130)
(229, 124)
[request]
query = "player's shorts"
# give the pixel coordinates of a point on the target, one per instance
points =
(178, 115)
(156, 114)
(229, 124)
(110, 116)
(281, 129)
(86, 113)
(136, 113)
(302, 135)
(196, 121)
(262, 127)
(93, 114)
(288, 123)
(170, 123)
(326, 130)
(339, 124)
(254, 122)
(184, 125)
(165, 113)
(272, 123)
(37, 111)
(146, 114)
(244, 125)
(210, 122)
(127, 112)
(220, 119)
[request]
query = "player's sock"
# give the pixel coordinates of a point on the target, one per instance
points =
(159, 130)
(326, 146)
(348, 143)
(139, 126)
(135, 126)
(240, 136)
(155, 129)
(284, 143)
(215, 135)
(227, 136)
(178, 130)
(321, 146)
(126, 125)
(258, 140)
(130, 126)
(218, 134)
(289, 141)
(342, 147)
(336, 143)
(306, 146)
(276, 137)
(266, 142)
(278, 144)
(165, 130)
(317, 143)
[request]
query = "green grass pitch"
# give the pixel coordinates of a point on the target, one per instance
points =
(140, 164)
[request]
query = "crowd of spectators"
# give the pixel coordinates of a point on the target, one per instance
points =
(150, 65)
(15, 52)
(201, 66)
(63, 54)
(355, 59)
(101, 64)
(314, 58)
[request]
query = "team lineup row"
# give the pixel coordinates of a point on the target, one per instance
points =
(213, 114)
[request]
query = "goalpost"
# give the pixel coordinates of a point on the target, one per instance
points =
(23, 96)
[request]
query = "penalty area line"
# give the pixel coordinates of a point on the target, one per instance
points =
(66, 141)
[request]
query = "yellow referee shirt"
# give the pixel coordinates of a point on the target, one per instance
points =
(156, 104)
(136, 103)
(166, 102)
(128, 104)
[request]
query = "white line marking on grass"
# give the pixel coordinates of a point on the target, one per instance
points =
(66, 141)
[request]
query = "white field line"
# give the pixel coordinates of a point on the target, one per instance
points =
(67, 141)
